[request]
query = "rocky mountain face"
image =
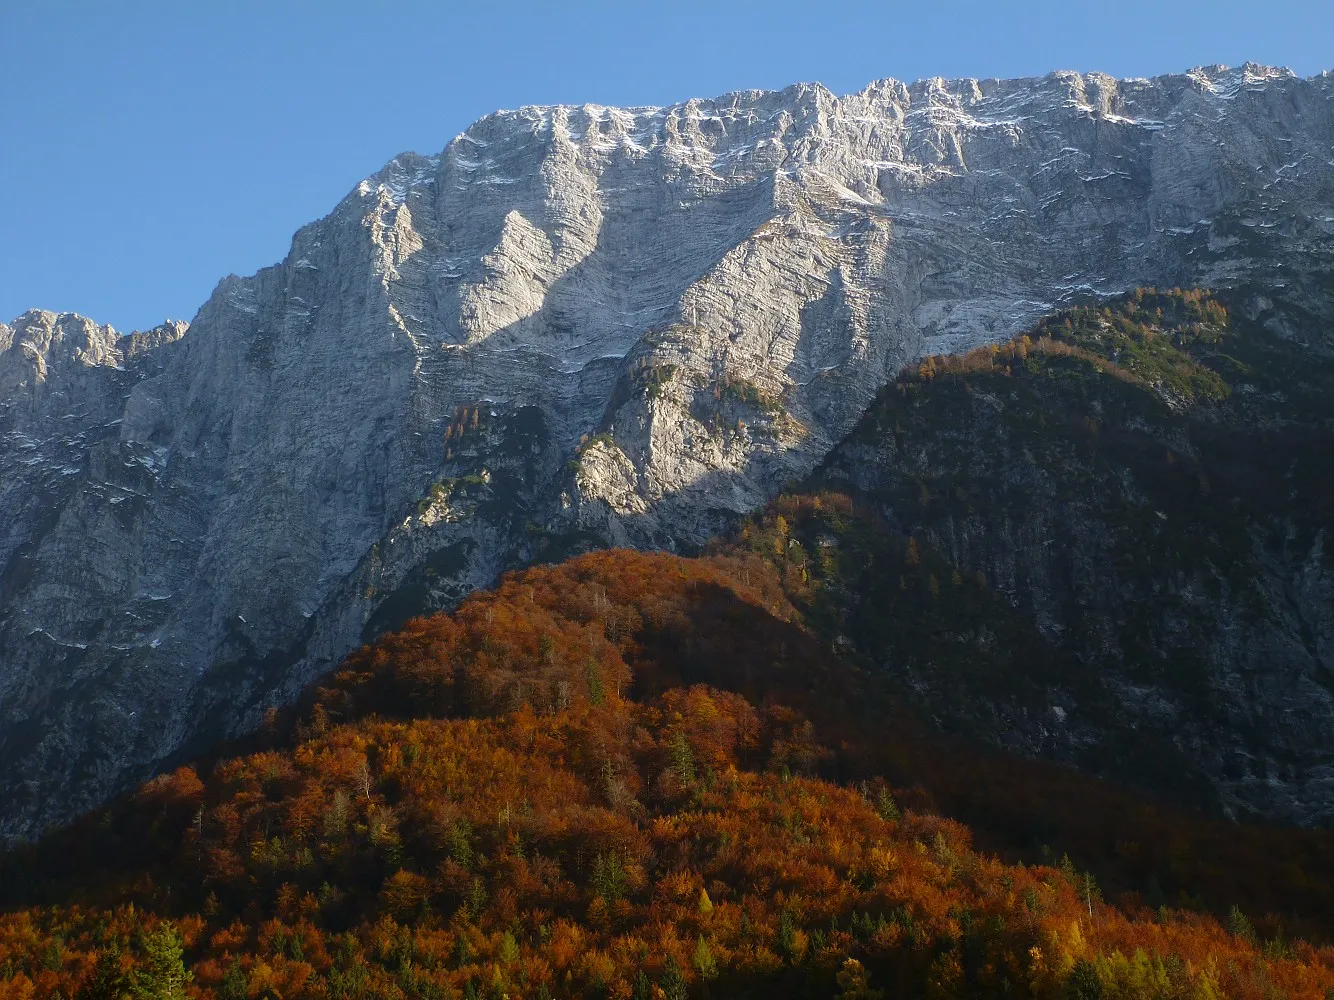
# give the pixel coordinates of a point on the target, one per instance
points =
(574, 326)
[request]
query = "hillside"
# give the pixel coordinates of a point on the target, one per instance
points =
(540, 796)
(1146, 483)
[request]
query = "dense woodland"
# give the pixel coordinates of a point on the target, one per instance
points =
(644, 776)
(1147, 486)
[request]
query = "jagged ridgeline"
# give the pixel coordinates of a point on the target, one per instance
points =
(640, 776)
(577, 327)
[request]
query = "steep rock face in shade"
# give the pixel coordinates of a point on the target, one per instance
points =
(573, 326)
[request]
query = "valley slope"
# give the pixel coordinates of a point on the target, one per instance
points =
(536, 797)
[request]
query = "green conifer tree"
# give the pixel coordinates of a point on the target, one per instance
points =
(161, 974)
(682, 759)
(509, 949)
(703, 960)
(108, 980)
(673, 983)
(234, 985)
(886, 807)
(787, 936)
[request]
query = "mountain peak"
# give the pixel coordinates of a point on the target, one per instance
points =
(576, 326)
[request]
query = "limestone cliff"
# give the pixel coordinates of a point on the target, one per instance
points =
(575, 325)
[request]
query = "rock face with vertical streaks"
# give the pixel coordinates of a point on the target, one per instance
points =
(573, 326)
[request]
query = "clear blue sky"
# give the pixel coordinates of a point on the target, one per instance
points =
(148, 149)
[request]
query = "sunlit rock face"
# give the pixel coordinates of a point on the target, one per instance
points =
(574, 326)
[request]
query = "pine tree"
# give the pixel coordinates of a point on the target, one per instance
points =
(703, 960)
(462, 951)
(608, 879)
(673, 983)
(1238, 924)
(162, 974)
(596, 694)
(107, 981)
(886, 807)
(682, 759)
(787, 936)
(234, 986)
(1068, 871)
(1083, 982)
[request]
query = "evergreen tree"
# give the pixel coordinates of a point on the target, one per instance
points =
(673, 982)
(1240, 926)
(608, 879)
(509, 949)
(886, 807)
(1068, 871)
(1083, 983)
(462, 951)
(162, 974)
(596, 694)
(703, 960)
(107, 981)
(787, 936)
(682, 759)
(234, 986)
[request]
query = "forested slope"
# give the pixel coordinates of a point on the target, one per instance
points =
(1148, 483)
(828, 756)
(538, 796)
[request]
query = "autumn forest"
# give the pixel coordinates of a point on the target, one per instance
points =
(640, 775)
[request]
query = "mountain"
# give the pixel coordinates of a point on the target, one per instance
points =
(1148, 483)
(573, 327)
(536, 797)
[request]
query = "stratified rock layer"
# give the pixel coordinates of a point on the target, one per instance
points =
(574, 324)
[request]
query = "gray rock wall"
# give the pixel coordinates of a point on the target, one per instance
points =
(573, 325)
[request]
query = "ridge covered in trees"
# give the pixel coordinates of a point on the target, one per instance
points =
(1147, 483)
(536, 796)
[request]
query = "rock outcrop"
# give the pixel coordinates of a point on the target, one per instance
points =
(576, 325)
